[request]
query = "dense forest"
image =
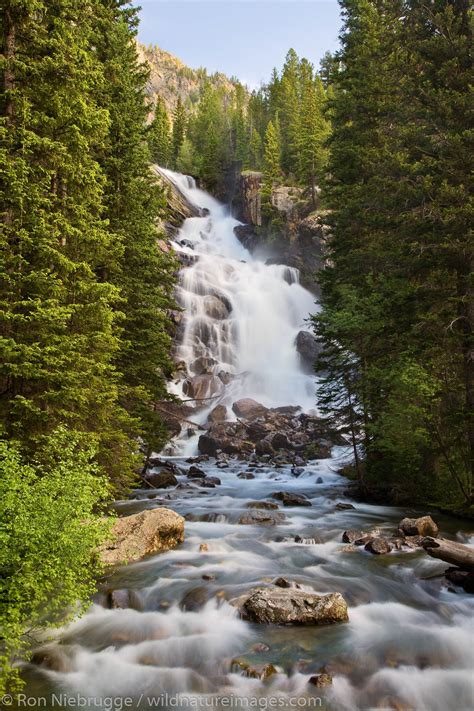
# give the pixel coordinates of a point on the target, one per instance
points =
(380, 139)
(84, 293)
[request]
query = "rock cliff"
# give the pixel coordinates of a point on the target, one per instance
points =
(297, 235)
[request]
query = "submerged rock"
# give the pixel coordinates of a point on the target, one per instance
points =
(259, 516)
(194, 599)
(280, 606)
(266, 505)
(288, 499)
(253, 671)
(139, 535)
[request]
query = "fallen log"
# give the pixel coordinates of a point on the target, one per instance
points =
(451, 552)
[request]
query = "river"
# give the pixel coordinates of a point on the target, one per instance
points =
(408, 643)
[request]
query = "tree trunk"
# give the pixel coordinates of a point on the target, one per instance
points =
(451, 552)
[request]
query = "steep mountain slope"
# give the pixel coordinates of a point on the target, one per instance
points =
(170, 78)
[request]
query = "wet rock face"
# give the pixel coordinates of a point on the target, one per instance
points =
(423, 526)
(308, 349)
(139, 535)
(290, 606)
(202, 386)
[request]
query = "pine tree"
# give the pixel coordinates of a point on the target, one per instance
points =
(159, 135)
(289, 112)
(179, 130)
(314, 132)
(144, 273)
(256, 150)
(271, 165)
(58, 322)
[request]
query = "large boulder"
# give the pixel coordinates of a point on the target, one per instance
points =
(249, 409)
(423, 526)
(139, 535)
(308, 349)
(218, 414)
(290, 606)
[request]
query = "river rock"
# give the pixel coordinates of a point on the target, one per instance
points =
(308, 349)
(265, 505)
(352, 535)
(288, 499)
(280, 441)
(218, 414)
(342, 506)
(253, 671)
(320, 681)
(139, 535)
(378, 546)
(262, 517)
(249, 409)
(195, 473)
(463, 578)
(280, 606)
(245, 475)
(209, 482)
(161, 480)
(423, 526)
(263, 447)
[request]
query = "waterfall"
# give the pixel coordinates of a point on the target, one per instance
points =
(241, 316)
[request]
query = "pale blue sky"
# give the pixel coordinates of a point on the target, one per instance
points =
(243, 38)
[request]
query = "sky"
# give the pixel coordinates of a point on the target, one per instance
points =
(242, 38)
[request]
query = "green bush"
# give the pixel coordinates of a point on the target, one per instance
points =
(50, 528)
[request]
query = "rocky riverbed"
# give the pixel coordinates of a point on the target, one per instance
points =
(269, 597)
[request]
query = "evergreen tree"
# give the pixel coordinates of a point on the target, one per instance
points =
(179, 130)
(58, 317)
(159, 136)
(289, 112)
(271, 165)
(256, 150)
(314, 132)
(144, 274)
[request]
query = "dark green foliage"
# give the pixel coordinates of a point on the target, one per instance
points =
(179, 130)
(84, 293)
(159, 136)
(398, 293)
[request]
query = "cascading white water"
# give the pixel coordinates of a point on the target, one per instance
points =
(240, 314)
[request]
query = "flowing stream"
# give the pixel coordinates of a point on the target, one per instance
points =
(408, 643)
